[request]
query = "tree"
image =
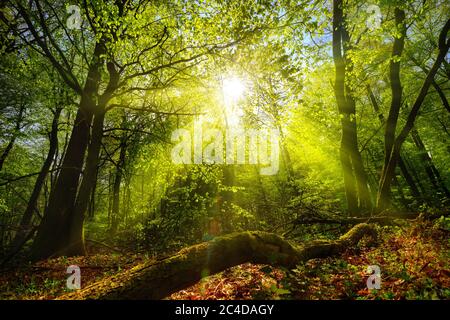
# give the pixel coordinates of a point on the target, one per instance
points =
(67, 204)
(405, 172)
(392, 153)
(355, 178)
(158, 280)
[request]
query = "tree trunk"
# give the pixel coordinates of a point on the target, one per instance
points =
(53, 235)
(404, 170)
(391, 162)
(91, 207)
(394, 110)
(52, 231)
(396, 87)
(127, 201)
(349, 177)
(75, 242)
(31, 206)
(390, 219)
(156, 280)
(110, 184)
(115, 215)
(364, 195)
(355, 178)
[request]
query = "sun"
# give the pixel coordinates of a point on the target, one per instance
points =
(233, 89)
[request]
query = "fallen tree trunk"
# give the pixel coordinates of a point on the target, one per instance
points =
(382, 220)
(159, 279)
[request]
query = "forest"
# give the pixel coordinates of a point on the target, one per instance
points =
(225, 149)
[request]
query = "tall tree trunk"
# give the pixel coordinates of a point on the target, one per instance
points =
(110, 197)
(24, 226)
(396, 102)
(116, 187)
(52, 236)
(91, 208)
(396, 86)
(75, 242)
(339, 90)
(355, 178)
(349, 178)
(75, 239)
(364, 195)
(404, 170)
(127, 201)
(393, 157)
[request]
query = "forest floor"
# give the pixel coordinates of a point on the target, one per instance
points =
(413, 258)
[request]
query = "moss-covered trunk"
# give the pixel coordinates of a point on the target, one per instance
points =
(159, 279)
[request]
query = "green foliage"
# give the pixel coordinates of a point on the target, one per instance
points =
(172, 59)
